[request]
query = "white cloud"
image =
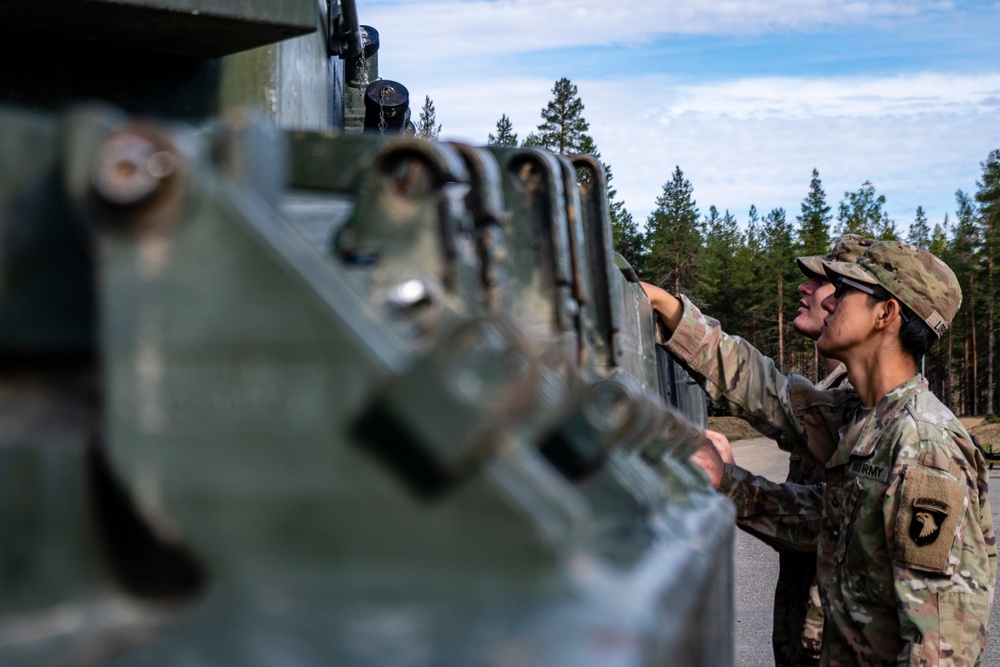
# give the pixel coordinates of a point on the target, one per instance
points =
(432, 30)
(917, 137)
(846, 96)
(734, 163)
(756, 140)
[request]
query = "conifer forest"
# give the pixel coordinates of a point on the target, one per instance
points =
(742, 271)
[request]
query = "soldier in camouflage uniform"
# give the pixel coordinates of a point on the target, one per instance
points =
(798, 615)
(907, 555)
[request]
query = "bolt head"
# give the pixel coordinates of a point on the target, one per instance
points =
(129, 169)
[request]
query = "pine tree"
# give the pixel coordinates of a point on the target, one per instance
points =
(863, 212)
(625, 234)
(920, 231)
(939, 238)
(813, 239)
(704, 289)
(428, 128)
(588, 147)
(532, 141)
(505, 135)
(721, 278)
(753, 254)
(886, 230)
(963, 258)
(779, 265)
(814, 223)
(942, 370)
(673, 236)
(988, 196)
(563, 128)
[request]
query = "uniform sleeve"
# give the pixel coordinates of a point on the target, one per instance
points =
(944, 561)
(783, 515)
(789, 409)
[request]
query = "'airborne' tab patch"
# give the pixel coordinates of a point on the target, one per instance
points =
(864, 469)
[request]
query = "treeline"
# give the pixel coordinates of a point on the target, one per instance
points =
(746, 275)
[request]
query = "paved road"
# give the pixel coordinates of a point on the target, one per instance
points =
(757, 566)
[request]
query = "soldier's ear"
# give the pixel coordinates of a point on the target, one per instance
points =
(889, 312)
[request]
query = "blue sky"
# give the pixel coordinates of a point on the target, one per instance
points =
(746, 96)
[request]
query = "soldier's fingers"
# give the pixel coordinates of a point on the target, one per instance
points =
(721, 443)
(707, 458)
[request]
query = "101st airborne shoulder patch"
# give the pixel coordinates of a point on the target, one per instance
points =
(929, 512)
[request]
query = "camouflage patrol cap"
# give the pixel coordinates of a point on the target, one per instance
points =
(847, 249)
(914, 276)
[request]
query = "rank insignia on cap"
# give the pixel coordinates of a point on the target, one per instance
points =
(928, 518)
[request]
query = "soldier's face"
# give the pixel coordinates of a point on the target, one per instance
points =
(848, 323)
(809, 321)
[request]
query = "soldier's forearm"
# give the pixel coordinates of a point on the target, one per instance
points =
(784, 515)
(668, 307)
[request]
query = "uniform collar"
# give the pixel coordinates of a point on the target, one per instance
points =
(835, 378)
(860, 437)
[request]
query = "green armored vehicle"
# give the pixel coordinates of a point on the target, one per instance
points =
(277, 389)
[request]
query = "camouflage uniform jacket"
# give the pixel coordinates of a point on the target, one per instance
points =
(797, 629)
(804, 418)
(907, 555)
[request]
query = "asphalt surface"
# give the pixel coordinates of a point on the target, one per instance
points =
(757, 566)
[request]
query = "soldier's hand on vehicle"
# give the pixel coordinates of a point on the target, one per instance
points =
(708, 459)
(721, 443)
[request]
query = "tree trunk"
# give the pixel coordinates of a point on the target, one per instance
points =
(677, 273)
(990, 337)
(966, 376)
(781, 325)
(939, 380)
(949, 384)
(728, 291)
(991, 355)
(975, 350)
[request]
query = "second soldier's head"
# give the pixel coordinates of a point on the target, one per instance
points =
(817, 287)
